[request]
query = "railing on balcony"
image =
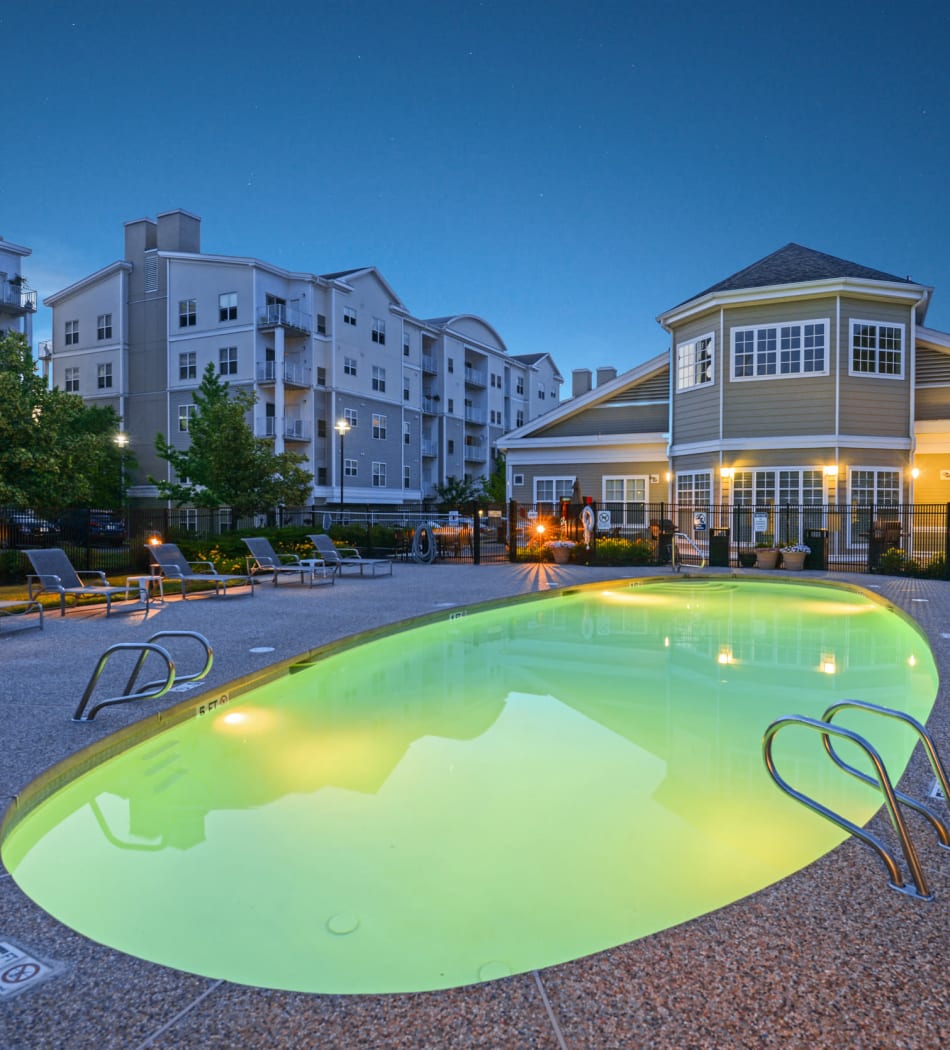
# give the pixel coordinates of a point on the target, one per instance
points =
(475, 377)
(12, 293)
(428, 364)
(294, 374)
(474, 415)
(290, 429)
(430, 405)
(430, 449)
(274, 314)
(475, 451)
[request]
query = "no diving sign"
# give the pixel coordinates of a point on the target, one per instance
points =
(20, 971)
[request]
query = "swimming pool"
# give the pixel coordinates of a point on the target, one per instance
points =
(487, 794)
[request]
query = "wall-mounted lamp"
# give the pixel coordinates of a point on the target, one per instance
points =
(831, 471)
(726, 472)
(915, 473)
(669, 476)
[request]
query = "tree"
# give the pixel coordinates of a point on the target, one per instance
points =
(55, 451)
(495, 486)
(225, 465)
(455, 492)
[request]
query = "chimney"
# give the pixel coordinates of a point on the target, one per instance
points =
(580, 382)
(604, 375)
(179, 231)
(139, 238)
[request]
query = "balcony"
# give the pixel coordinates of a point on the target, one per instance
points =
(289, 429)
(293, 374)
(475, 377)
(279, 315)
(428, 364)
(430, 405)
(476, 450)
(474, 415)
(429, 449)
(14, 298)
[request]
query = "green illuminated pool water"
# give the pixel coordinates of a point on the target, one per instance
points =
(487, 795)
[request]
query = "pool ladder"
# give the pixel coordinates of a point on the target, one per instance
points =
(674, 551)
(882, 780)
(150, 690)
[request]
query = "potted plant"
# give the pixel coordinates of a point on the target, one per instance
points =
(793, 556)
(747, 559)
(560, 550)
(766, 553)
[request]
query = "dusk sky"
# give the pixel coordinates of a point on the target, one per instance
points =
(565, 170)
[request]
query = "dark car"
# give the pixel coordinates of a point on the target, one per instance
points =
(25, 528)
(106, 529)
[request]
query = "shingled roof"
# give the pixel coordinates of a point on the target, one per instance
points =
(795, 263)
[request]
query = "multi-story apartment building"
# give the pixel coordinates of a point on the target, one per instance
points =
(385, 403)
(17, 302)
(802, 379)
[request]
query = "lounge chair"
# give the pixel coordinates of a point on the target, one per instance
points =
(175, 568)
(17, 615)
(340, 558)
(54, 572)
(264, 559)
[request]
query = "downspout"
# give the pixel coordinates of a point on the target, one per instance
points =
(722, 392)
(837, 448)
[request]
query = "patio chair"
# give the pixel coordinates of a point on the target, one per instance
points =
(175, 568)
(54, 572)
(340, 558)
(263, 559)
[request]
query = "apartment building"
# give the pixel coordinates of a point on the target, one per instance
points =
(383, 405)
(17, 301)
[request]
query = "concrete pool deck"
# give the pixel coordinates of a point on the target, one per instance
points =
(829, 957)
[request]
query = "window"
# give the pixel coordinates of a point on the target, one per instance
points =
(379, 427)
(321, 475)
(450, 446)
(321, 376)
(405, 434)
(72, 380)
(519, 418)
(406, 476)
(227, 361)
(349, 315)
(188, 365)
(379, 332)
(187, 313)
(379, 379)
(877, 349)
(227, 306)
(519, 385)
(321, 324)
(870, 486)
(349, 468)
(405, 391)
(104, 326)
(631, 492)
(451, 365)
(350, 415)
(780, 350)
(321, 428)
(694, 490)
(185, 415)
(540, 394)
(379, 475)
(451, 404)
(349, 366)
(104, 377)
(552, 490)
(517, 479)
(405, 344)
(694, 363)
(72, 333)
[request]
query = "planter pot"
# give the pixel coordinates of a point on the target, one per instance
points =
(561, 554)
(794, 560)
(766, 558)
(747, 559)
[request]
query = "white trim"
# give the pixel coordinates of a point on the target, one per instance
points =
(582, 441)
(876, 374)
(797, 441)
(692, 344)
(641, 454)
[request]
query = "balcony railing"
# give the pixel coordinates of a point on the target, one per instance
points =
(473, 415)
(13, 294)
(279, 314)
(289, 429)
(476, 453)
(428, 364)
(430, 405)
(294, 374)
(475, 377)
(430, 449)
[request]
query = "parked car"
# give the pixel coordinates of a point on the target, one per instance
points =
(25, 528)
(106, 529)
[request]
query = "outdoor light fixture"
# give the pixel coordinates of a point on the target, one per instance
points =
(122, 443)
(915, 473)
(831, 471)
(153, 539)
(725, 472)
(342, 427)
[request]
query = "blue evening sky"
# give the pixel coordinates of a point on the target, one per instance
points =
(565, 170)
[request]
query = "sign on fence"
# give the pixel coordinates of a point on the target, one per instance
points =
(699, 521)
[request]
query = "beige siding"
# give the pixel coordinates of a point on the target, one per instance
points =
(611, 419)
(933, 366)
(932, 402)
(696, 411)
(930, 487)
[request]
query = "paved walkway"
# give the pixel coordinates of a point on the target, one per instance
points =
(826, 958)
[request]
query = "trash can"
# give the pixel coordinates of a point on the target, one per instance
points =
(817, 541)
(719, 548)
(664, 545)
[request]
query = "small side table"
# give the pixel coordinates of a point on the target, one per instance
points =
(145, 585)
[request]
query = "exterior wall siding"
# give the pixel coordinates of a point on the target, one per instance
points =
(696, 410)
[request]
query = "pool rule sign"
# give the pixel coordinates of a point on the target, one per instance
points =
(20, 971)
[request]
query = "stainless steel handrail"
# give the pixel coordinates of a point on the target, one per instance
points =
(930, 749)
(673, 551)
(896, 880)
(150, 690)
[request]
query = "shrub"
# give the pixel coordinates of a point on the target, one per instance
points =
(623, 552)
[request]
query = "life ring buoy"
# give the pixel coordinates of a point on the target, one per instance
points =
(587, 521)
(424, 547)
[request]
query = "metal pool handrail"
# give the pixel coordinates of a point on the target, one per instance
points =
(150, 690)
(674, 552)
(896, 880)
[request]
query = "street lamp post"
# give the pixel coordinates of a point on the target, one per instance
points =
(341, 428)
(122, 443)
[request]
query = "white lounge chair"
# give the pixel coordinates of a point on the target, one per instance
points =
(264, 559)
(175, 568)
(54, 572)
(340, 558)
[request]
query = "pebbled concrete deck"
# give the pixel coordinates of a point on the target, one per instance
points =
(826, 958)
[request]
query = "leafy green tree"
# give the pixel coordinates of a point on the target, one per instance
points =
(55, 451)
(455, 492)
(226, 465)
(495, 487)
